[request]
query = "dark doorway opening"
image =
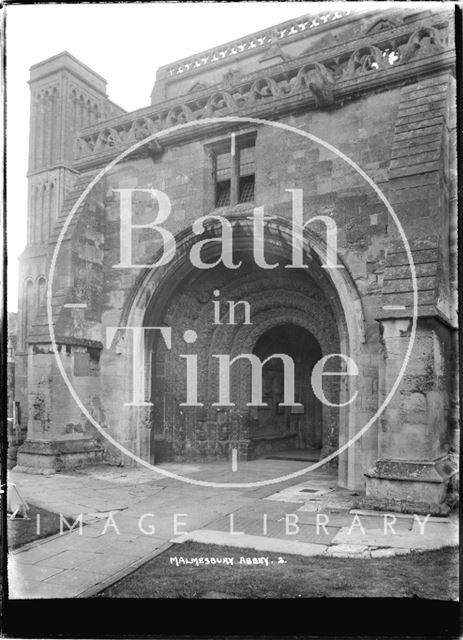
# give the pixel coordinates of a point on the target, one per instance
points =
(298, 430)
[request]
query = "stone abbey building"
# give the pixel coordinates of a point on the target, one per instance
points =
(276, 122)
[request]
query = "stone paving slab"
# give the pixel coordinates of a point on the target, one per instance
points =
(347, 519)
(108, 563)
(139, 547)
(53, 590)
(328, 503)
(348, 551)
(328, 500)
(273, 510)
(41, 590)
(312, 507)
(258, 543)
(69, 559)
(75, 578)
(446, 536)
(381, 521)
(433, 528)
(276, 529)
(40, 552)
(399, 516)
(98, 544)
(30, 572)
(343, 519)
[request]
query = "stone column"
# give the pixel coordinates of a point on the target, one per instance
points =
(415, 466)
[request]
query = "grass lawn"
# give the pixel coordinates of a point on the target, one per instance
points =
(430, 575)
(21, 532)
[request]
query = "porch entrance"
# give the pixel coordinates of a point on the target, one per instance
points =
(276, 429)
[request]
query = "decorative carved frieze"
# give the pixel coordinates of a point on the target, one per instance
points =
(364, 60)
(179, 115)
(424, 42)
(262, 89)
(218, 102)
(382, 24)
(320, 82)
(260, 40)
(317, 81)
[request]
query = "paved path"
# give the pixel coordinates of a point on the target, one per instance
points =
(131, 515)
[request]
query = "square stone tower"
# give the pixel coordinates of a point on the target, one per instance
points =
(66, 96)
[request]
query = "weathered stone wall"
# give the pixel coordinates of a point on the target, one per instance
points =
(283, 161)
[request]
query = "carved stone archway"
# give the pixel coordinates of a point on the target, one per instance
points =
(159, 299)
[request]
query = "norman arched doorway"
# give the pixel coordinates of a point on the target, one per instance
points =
(289, 313)
(276, 428)
(325, 304)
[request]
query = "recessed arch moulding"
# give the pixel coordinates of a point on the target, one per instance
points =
(324, 303)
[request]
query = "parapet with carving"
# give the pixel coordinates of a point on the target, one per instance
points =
(390, 50)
